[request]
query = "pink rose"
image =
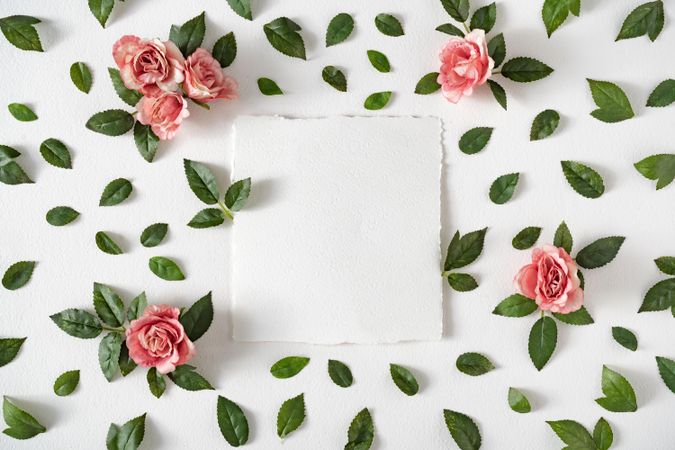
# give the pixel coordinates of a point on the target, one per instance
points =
(465, 64)
(148, 65)
(163, 113)
(157, 339)
(551, 280)
(205, 80)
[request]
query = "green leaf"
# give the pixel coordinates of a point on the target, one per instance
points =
(484, 18)
(427, 84)
(21, 112)
(115, 192)
(458, 9)
(340, 373)
(81, 76)
(283, 34)
(165, 268)
(542, 341)
(584, 180)
(339, 29)
(475, 140)
(202, 181)
(127, 437)
(619, 394)
(108, 305)
(474, 364)
(56, 153)
(109, 354)
(465, 250)
(21, 425)
(516, 305)
(232, 422)
(659, 297)
(335, 77)
(242, 8)
(563, 237)
(225, 50)
(378, 100)
(555, 12)
(291, 415)
(544, 124)
(667, 371)
(7, 154)
(153, 235)
(189, 36)
(12, 173)
(268, 86)
(497, 50)
(603, 435)
(524, 70)
(237, 194)
(113, 122)
(578, 317)
(379, 61)
(107, 245)
(197, 320)
(663, 95)
(503, 188)
(450, 29)
(289, 366)
(206, 218)
(462, 429)
(156, 382)
(526, 238)
(127, 365)
(137, 307)
(9, 348)
(361, 431)
(21, 33)
(599, 252)
(645, 19)
(404, 379)
(128, 96)
(625, 338)
(658, 167)
(18, 275)
(66, 383)
(573, 434)
(101, 9)
(613, 105)
(78, 323)
(666, 264)
(146, 141)
(498, 92)
(389, 25)
(462, 282)
(185, 377)
(518, 402)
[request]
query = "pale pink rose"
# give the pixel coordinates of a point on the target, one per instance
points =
(205, 80)
(163, 113)
(551, 280)
(157, 339)
(148, 65)
(465, 63)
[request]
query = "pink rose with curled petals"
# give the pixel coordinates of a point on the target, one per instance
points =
(149, 65)
(465, 63)
(163, 113)
(157, 339)
(551, 280)
(205, 80)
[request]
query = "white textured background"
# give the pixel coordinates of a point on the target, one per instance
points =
(69, 261)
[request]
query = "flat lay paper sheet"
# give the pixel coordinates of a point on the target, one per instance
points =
(340, 242)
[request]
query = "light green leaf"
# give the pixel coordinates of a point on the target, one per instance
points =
(189, 36)
(658, 167)
(340, 373)
(377, 101)
(101, 9)
(202, 181)
(66, 383)
(524, 70)
(600, 252)
(197, 320)
(206, 218)
(225, 50)
(9, 348)
(625, 337)
(107, 245)
(237, 194)
(619, 394)
(128, 96)
(291, 415)
(21, 33)
(339, 29)
(242, 8)
(542, 341)
(379, 61)
(81, 76)
(427, 84)
(544, 124)
(499, 93)
(475, 140)
(232, 422)
(335, 77)
(584, 180)
(21, 425)
(361, 432)
(645, 19)
(389, 25)
(526, 238)
(462, 282)
(18, 275)
(573, 434)
(663, 94)
(156, 382)
(153, 235)
(268, 86)
(578, 317)
(165, 268)
(474, 364)
(666, 264)
(518, 402)
(113, 122)
(404, 379)
(484, 18)
(613, 105)
(146, 141)
(289, 366)
(22, 112)
(465, 250)
(283, 34)
(185, 377)
(127, 437)
(78, 323)
(458, 9)
(603, 435)
(563, 237)
(667, 371)
(503, 188)
(516, 305)
(463, 430)
(659, 297)
(109, 354)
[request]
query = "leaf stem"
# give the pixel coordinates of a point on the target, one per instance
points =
(445, 274)
(227, 212)
(496, 72)
(466, 27)
(114, 330)
(542, 313)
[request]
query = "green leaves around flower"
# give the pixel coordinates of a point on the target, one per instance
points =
(101, 10)
(21, 33)
(109, 354)
(484, 18)
(339, 29)
(113, 122)
(578, 317)
(242, 8)
(284, 36)
(458, 9)
(189, 36)
(463, 430)
(225, 50)
(18, 275)
(404, 379)
(542, 341)
(268, 87)
(232, 422)
(108, 305)
(526, 238)
(154, 234)
(544, 124)
(645, 19)
(498, 92)
(197, 320)
(289, 366)
(619, 394)
(361, 432)
(600, 252)
(577, 437)
(10, 171)
(663, 94)
(9, 348)
(666, 264)
(389, 25)
(667, 371)
(334, 77)
(474, 364)
(379, 61)
(165, 268)
(107, 244)
(625, 338)
(66, 383)
(503, 188)
(377, 100)
(524, 70)
(462, 251)
(555, 12)
(497, 51)
(563, 237)
(127, 365)
(612, 102)
(518, 402)
(20, 424)
(659, 297)
(186, 378)
(21, 112)
(146, 141)
(128, 96)
(78, 323)
(127, 437)
(427, 84)
(56, 153)
(81, 76)
(584, 180)
(450, 29)
(156, 382)
(516, 305)
(340, 373)
(660, 168)
(291, 415)
(137, 307)
(475, 140)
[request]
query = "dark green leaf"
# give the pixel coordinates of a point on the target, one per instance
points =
(497, 50)
(128, 96)
(389, 25)
(165, 268)
(113, 122)
(645, 19)
(613, 105)
(268, 86)
(554, 14)
(603, 435)
(189, 36)
(667, 371)
(101, 9)
(21, 112)
(127, 437)
(7, 154)
(484, 18)
(473, 364)
(283, 34)
(619, 394)
(526, 238)
(156, 382)
(578, 317)
(498, 92)
(339, 29)
(462, 282)
(109, 354)
(340, 374)
(232, 422)
(12, 173)
(127, 365)
(658, 167)
(81, 76)
(137, 307)
(56, 153)
(544, 124)
(9, 348)
(202, 181)
(289, 366)
(663, 95)
(573, 434)
(18, 275)
(115, 192)
(465, 250)
(185, 377)
(475, 140)
(242, 8)
(153, 235)
(518, 402)
(516, 305)
(666, 264)
(524, 70)
(146, 141)
(503, 188)
(21, 425)
(291, 415)
(584, 180)
(458, 9)
(361, 432)
(462, 429)
(404, 379)
(659, 297)
(335, 77)
(625, 337)
(237, 194)
(542, 341)
(21, 33)
(428, 84)
(563, 237)
(379, 61)
(107, 245)
(225, 50)
(206, 218)
(66, 383)
(108, 305)
(378, 100)
(599, 252)
(78, 323)
(450, 29)
(197, 320)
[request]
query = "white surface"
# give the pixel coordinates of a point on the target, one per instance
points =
(325, 232)
(70, 262)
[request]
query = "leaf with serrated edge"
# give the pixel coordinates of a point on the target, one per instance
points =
(154, 234)
(22, 112)
(389, 25)
(225, 50)
(404, 379)
(563, 237)
(18, 275)
(474, 364)
(289, 366)
(56, 153)
(108, 305)
(583, 179)
(625, 338)
(165, 268)
(518, 402)
(127, 437)
(9, 348)
(659, 297)
(663, 94)
(109, 354)
(242, 8)
(462, 429)
(377, 101)
(658, 167)
(237, 194)
(484, 18)
(107, 244)
(666, 264)
(185, 377)
(612, 102)
(544, 124)
(526, 238)
(197, 320)
(335, 77)
(156, 382)
(475, 140)
(21, 425)
(667, 371)
(361, 431)
(206, 218)
(128, 96)
(379, 61)
(340, 373)
(600, 252)
(137, 306)
(101, 9)
(458, 9)
(78, 323)
(525, 70)
(232, 422)
(516, 305)
(81, 76)
(283, 34)
(645, 19)
(66, 383)
(497, 50)
(603, 435)
(578, 317)
(619, 394)
(573, 434)
(465, 250)
(291, 415)
(428, 84)
(462, 282)
(542, 341)
(499, 93)
(201, 181)
(21, 33)
(339, 29)
(503, 188)
(146, 141)
(269, 87)
(113, 122)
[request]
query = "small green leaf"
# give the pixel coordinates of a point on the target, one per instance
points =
(127, 437)
(666, 264)
(578, 317)
(340, 373)
(202, 181)
(206, 218)
(189, 36)
(156, 382)
(619, 394)
(667, 371)
(7, 154)
(339, 29)
(78, 323)
(645, 19)
(108, 305)
(115, 192)
(584, 180)
(101, 9)
(113, 122)
(290, 415)
(379, 61)
(603, 435)
(658, 167)
(197, 320)
(185, 377)
(146, 141)
(613, 105)
(544, 124)
(599, 252)
(542, 341)
(563, 237)
(524, 70)
(21, 112)
(462, 282)
(127, 365)
(518, 402)
(361, 431)
(335, 77)
(503, 188)
(458, 9)
(137, 307)
(484, 18)
(232, 422)
(165, 268)
(237, 194)
(465, 250)
(625, 337)
(109, 354)
(9, 348)
(269, 87)
(21, 425)
(289, 366)
(153, 235)
(389, 25)
(283, 34)
(66, 383)
(526, 238)
(660, 297)
(404, 379)
(450, 29)
(81, 76)
(516, 305)
(378, 100)
(128, 96)
(554, 13)
(573, 434)
(497, 50)
(56, 153)
(475, 140)
(18, 275)
(499, 93)
(225, 50)
(242, 8)
(474, 364)
(21, 33)
(427, 84)
(462, 429)
(663, 95)
(12, 173)
(107, 245)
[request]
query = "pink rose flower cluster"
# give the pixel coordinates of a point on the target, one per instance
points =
(166, 79)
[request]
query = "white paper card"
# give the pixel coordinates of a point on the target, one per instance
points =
(340, 240)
